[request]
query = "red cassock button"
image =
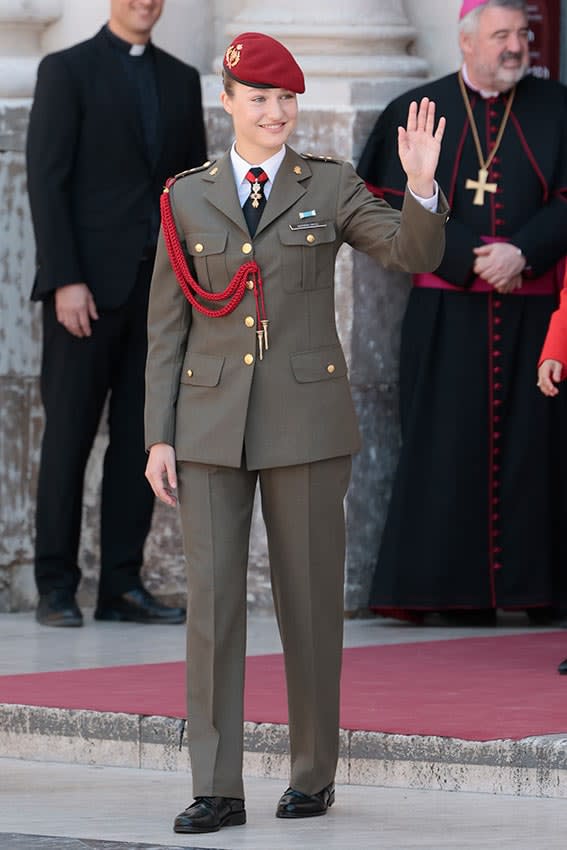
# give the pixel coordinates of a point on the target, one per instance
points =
(496, 353)
(496, 402)
(498, 303)
(497, 566)
(496, 419)
(497, 435)
(497, 370)
(497, 386)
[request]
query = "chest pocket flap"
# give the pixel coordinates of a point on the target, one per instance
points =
(205, 244)
(202, 370)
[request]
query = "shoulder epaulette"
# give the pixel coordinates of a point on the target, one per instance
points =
(195, 170)
(172, 180)
(318, 158)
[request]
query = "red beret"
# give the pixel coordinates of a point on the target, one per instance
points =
(258, 60)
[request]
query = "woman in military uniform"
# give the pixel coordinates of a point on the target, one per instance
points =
(246, 381)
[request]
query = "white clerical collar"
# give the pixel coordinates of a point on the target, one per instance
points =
(137, 49)
(482, 92)
(240, 167)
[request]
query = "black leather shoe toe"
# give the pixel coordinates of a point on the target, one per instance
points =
(209, 814)
(563, 668)
(138, 606)
(295, 804)
(58, 608)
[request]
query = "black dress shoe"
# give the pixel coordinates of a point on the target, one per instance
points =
(58, 608)
(295, 804)
(208, 814)
(138, 606)
(563, 668)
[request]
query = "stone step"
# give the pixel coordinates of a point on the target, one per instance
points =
(535, 766)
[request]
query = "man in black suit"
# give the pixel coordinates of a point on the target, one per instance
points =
(112, 118)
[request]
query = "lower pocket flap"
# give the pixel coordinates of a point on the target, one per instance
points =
(322, 364)
(202, 370)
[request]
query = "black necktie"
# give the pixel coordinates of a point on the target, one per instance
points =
(256, 200)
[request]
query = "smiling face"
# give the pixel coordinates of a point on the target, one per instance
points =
(133, 20)
(263, 119)
(496, 53)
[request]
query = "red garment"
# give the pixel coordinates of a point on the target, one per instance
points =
(555, 345)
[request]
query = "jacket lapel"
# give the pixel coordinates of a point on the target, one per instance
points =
(220, 191)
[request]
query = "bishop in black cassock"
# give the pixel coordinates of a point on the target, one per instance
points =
(476, 510)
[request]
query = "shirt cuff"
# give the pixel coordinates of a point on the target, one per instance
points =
(430, 204)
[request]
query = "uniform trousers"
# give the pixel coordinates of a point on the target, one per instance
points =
(304, 515)
(78, 375)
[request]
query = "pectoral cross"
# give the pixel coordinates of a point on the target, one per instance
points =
(481, 186)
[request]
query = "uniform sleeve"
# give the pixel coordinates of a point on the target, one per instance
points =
(53, 133)
(410, 240)
(169, 321)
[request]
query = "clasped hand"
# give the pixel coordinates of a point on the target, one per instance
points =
(501, 264)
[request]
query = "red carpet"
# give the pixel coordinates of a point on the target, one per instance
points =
(471, 688)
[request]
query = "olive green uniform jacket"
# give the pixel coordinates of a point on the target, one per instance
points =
(204, 395)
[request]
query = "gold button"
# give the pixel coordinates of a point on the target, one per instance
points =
(190, 372)
(249, 284)
(247, 248)
(330, 368)
(310, 238)
(249, 321)
(249, 359)
(198, 247)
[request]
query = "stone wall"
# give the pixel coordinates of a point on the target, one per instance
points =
(20, 418)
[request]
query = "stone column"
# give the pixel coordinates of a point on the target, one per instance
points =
(21, 23)
(356, 58)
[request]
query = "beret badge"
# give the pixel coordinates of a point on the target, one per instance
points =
(232, 57)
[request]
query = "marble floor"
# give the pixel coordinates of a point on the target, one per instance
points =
(47, 806)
